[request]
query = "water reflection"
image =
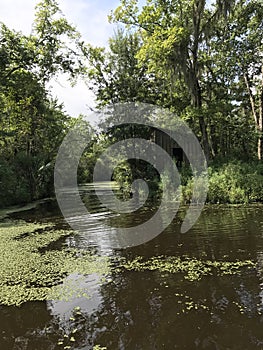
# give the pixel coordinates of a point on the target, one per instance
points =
(150, 310)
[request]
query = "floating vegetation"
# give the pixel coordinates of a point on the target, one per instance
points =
(192, 268)
(26, 274)
(188, 304)
(31, 272)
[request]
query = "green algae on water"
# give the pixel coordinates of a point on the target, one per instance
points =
(193, 269)
(31, 272)
(26, 274)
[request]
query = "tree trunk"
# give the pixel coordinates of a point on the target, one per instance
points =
(257, 115)
(197, 101)
(260, 120)
(205, 140)
(198, 9)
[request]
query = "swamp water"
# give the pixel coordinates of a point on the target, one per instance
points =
(199, 290)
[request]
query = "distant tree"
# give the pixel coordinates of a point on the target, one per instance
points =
(32, 123)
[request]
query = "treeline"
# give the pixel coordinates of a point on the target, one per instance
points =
(32, 123)
(204, 62)
(200, 60)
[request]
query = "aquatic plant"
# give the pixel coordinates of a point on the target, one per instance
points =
(30, 272)
(192, 268)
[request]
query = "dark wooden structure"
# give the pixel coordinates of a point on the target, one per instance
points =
(166, 142)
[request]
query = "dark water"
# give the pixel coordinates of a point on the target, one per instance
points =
(147, 310)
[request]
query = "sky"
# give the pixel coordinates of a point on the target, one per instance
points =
(90, 18)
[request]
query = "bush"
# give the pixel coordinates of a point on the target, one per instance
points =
(232, 182)
(23, 180)
(13, 188)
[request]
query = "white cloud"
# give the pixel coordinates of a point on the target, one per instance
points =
(90, 18)
(17, 15)
(76, 100)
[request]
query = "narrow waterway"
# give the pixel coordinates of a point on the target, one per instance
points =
(146, 307)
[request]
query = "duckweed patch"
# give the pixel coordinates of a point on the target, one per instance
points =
(193, 269)
(26, 274)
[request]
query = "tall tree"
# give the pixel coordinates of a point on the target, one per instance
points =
(237, 54)
(175, 34)
(32, 123)
(114, 74)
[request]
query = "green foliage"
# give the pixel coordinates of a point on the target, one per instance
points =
(90, 156)
(202, 62)
(115, 75)
(236, 183)
(33, 124)
(126, 172)
(207, 60)
(231, 182)
(123, 176)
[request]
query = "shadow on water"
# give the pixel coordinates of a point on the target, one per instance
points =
(153, 310)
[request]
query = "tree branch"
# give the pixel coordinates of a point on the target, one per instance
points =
(12, 71)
